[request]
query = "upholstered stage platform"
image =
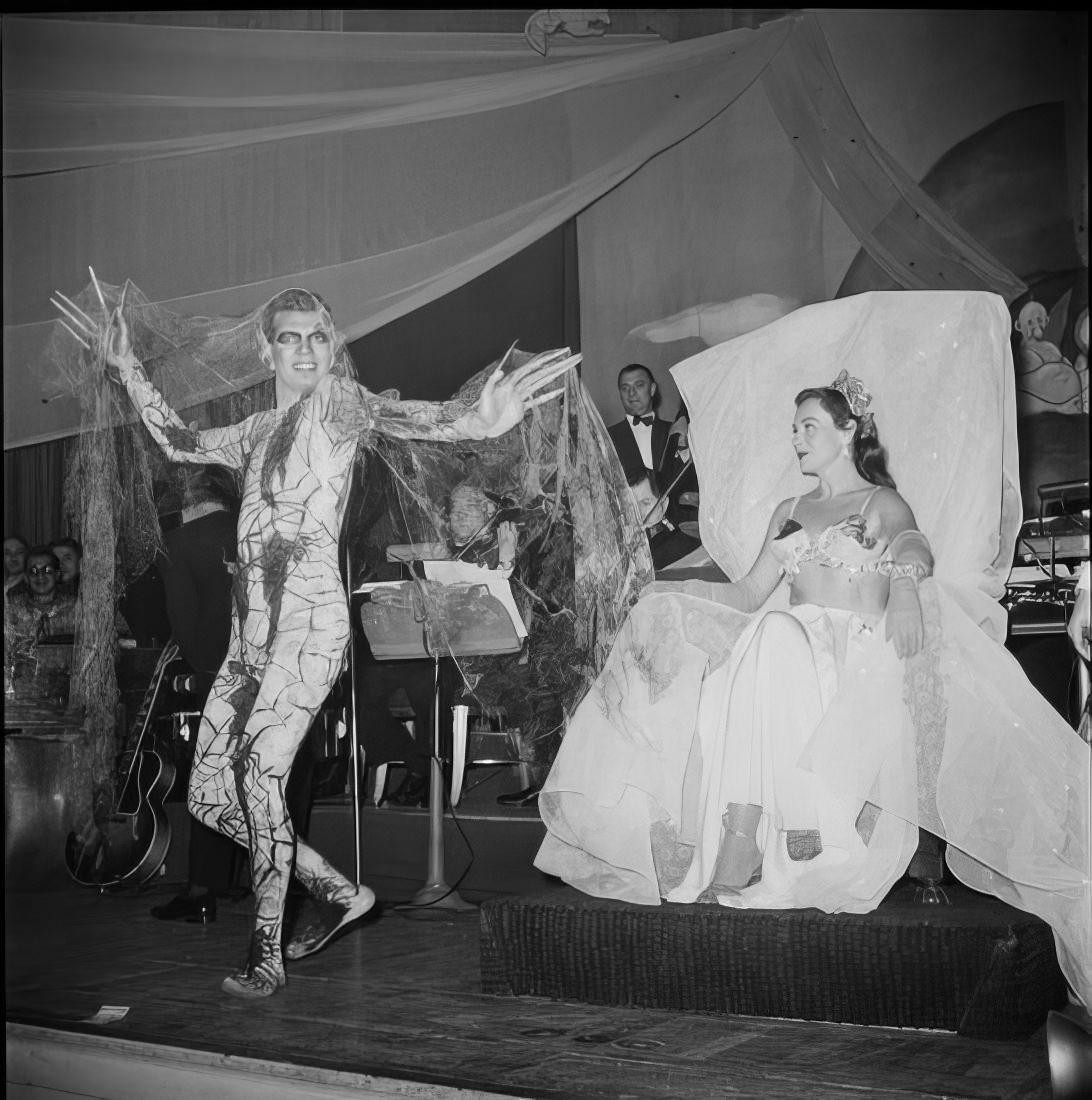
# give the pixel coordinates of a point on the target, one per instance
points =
(976, 966)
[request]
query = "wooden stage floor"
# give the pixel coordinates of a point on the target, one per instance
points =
(394, 1008)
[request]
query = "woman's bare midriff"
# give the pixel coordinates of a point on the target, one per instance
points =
(828, 586)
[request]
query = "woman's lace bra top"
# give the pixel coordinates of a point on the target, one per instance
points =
(843, 545)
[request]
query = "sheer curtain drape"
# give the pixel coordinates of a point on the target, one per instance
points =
(214, 167)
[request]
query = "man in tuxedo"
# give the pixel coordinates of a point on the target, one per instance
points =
(649, 453)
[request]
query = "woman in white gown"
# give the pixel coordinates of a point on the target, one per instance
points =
(786, 759)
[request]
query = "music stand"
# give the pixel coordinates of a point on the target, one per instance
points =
(462, 610)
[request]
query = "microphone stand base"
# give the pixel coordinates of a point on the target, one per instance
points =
(440, 897)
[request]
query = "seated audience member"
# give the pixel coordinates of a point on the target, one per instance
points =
(197, 569)
(649, 452)
(15, 560)
(39, 612)
(69, 552)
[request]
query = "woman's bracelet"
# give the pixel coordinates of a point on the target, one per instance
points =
(912, 570)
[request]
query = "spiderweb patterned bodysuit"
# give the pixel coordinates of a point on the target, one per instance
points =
(290, 622)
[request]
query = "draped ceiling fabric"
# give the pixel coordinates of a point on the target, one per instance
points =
(215, 167)
(779, 193)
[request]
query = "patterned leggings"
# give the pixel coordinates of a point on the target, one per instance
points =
(257, 716)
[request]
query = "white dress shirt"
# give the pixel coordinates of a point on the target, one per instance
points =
(643, 435)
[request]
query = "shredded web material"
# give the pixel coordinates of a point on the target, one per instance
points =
(582, 556)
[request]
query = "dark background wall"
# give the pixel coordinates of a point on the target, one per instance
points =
(532, 298)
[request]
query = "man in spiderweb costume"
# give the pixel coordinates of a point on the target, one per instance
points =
(290, 624)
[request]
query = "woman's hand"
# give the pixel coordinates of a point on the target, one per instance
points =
(905, 627)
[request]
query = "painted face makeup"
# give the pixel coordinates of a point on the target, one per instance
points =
(302, 349)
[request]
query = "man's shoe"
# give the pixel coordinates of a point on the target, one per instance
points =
(195, 910)
(320, 921)
(262, 976)
(528, 797)
(262, 980)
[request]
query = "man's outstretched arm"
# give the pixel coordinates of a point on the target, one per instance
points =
(217, 446)
(504, 401)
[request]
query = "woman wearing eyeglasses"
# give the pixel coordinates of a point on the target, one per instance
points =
(39, 612)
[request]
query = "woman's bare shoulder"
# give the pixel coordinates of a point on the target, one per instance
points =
(890, 505)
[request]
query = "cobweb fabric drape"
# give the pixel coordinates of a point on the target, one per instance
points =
(583, 557)
(900, 227)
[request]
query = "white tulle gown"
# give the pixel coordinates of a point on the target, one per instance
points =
(689, 715)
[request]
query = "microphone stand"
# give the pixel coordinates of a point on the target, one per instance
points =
(436, 893)
(355, 762)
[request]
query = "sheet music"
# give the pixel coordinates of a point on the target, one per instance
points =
(496, 580)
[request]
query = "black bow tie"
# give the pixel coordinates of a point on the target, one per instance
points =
(646, 420)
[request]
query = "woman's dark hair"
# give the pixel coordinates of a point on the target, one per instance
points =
(869, 455)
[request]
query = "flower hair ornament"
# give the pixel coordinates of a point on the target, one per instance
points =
(858, 399)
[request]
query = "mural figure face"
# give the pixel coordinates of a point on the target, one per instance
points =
(636, 390)
(302, 350)
(43, 572)
(1031, 321)
(15, 557)
(818, 441)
